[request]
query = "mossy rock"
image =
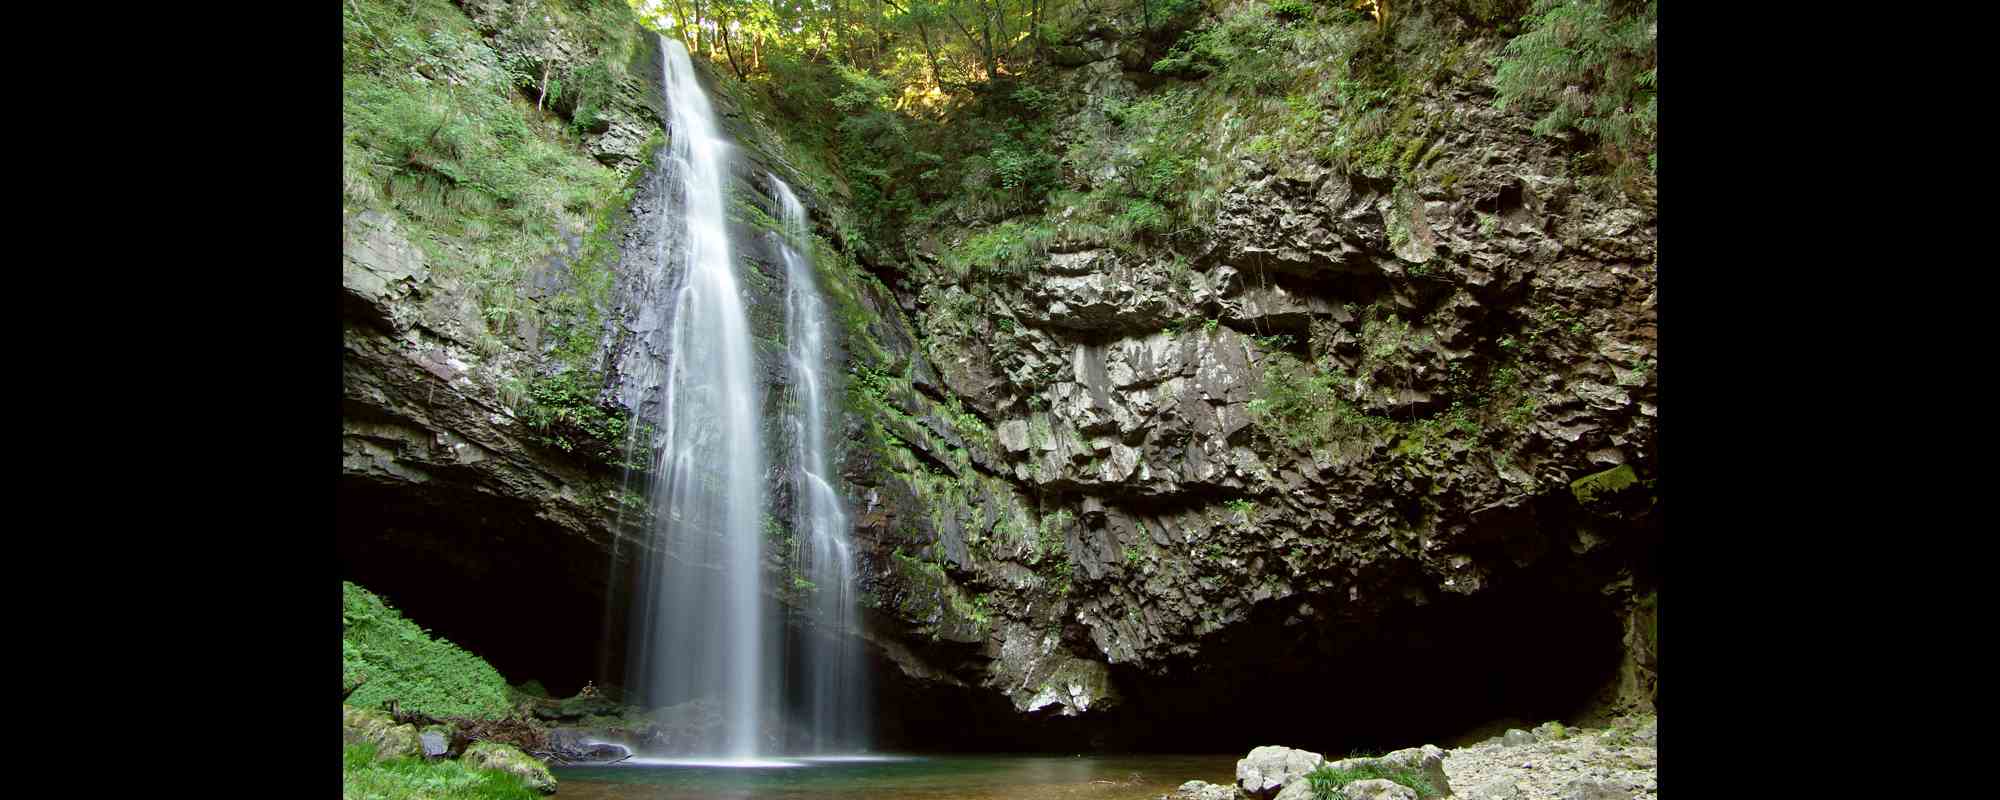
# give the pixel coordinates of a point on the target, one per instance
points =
(1590, 488)
(509, 759)
(377, 728)
(533, 688)
(364, 775)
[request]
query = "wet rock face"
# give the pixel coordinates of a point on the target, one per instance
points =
(1126, 467)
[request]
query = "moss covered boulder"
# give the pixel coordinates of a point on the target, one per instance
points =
(371, 727)
(508, 759)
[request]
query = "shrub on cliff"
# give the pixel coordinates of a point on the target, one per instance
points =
(386, 657)
(1588, 66)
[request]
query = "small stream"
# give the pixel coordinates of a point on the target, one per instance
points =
(981, 777)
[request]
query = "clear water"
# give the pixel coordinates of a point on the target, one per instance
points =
(982, 777)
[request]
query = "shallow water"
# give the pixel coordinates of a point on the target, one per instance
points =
(984, 777)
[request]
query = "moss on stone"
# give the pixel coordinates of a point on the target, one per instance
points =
(379, 731)
(511, 761)
(1591, 487)
(365, 774)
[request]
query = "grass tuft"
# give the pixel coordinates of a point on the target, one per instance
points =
(364, 778)
(1327, 781)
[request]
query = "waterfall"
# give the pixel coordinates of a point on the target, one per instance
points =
(699, 631)
(834, 671)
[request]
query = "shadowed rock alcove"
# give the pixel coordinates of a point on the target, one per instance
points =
(486, 574)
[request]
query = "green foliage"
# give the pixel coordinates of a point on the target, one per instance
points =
(1242, 52)
(1022, 161)
(1589, 66)
(1008, 249)
(1291, 10)
(392, 659)
(413, 778)
(563, 409)
(1169, 14)
(1298, 405)
(1277, 342)
(1149, 181)
(1049, 539)
(1326, 781)
(471, 158)
(481, 157)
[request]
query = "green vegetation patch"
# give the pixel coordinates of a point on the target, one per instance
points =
(563, 409)
(1327, 781)
(363, 778)
(1590, 487)
(482, 154)
(387, 657)
(1302, 407)
(1589, 66)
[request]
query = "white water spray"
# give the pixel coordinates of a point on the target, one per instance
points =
(835, 673)
(700, 631)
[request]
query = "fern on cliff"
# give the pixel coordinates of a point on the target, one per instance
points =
(1588, 66)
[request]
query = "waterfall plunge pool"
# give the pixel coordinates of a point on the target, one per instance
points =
(930, 777)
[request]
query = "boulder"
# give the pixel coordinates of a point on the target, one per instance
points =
(1515, 737)
(369, 726)
(1267, 769)
(1203, 790)
(1377, 789)
(435, 741)
(1428, 759)
(507, 758)
(1297, 790)
(1550, 731)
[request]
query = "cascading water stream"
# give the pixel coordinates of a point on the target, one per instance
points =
(835, 674)
(700, 632)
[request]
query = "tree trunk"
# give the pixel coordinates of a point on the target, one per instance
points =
(924, 33)
(722, 32)
(992, 47)
(1035, 24)
(544, 93)
(696, 49)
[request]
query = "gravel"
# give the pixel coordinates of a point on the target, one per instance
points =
(1618, 763)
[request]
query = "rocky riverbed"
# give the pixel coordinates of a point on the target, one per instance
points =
(1551, 762)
